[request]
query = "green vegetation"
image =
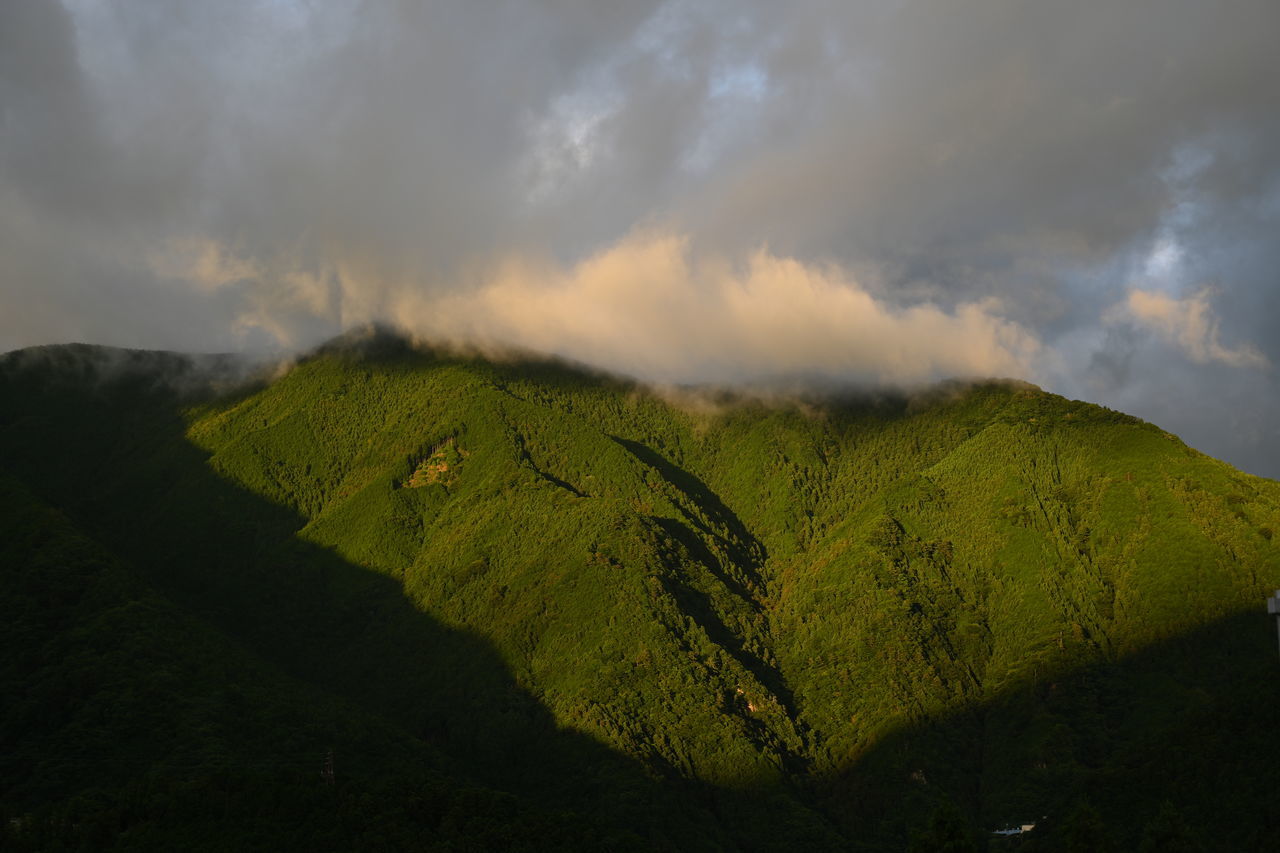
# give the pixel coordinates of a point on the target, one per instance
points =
(529, 607)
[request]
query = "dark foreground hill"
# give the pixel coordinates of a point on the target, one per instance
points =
(397, 599)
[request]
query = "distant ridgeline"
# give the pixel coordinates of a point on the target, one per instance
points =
(398, 599)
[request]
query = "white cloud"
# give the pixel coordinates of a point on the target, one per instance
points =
(1188, 323)
(271, 296)
(649, 307)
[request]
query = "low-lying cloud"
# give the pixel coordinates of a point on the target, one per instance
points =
(649, 306)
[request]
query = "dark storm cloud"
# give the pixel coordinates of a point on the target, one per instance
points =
(1085, 194)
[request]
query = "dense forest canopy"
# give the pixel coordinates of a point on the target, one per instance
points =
(404, 598)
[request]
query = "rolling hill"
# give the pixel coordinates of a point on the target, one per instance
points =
(403, 598)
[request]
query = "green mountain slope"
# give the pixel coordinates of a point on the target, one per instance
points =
(662, 621)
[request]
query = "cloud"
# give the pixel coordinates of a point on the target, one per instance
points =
(204, 263)
(1188, 323)
(276, 296)
(649, 306)
(937, 183)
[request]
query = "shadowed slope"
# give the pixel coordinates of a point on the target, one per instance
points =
(333, 647)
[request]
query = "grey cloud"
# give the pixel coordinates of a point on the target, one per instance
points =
(349, 159)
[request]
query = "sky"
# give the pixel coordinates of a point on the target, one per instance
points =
(1085, 195)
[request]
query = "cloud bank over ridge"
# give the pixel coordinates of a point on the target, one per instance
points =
(1084, 195)
(645, 306)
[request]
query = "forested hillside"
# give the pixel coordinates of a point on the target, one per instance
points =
(517, 605)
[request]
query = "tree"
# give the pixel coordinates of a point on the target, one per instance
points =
(948, 832)
(1168, 833)
(1084, 832)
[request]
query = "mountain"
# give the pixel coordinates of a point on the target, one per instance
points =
(403, 598)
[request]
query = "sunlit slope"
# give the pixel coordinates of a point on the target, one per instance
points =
(656, 570)
(619, 590)
(1057, 533)
(784, 595)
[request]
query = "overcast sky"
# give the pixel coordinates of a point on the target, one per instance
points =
(1082, 194)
